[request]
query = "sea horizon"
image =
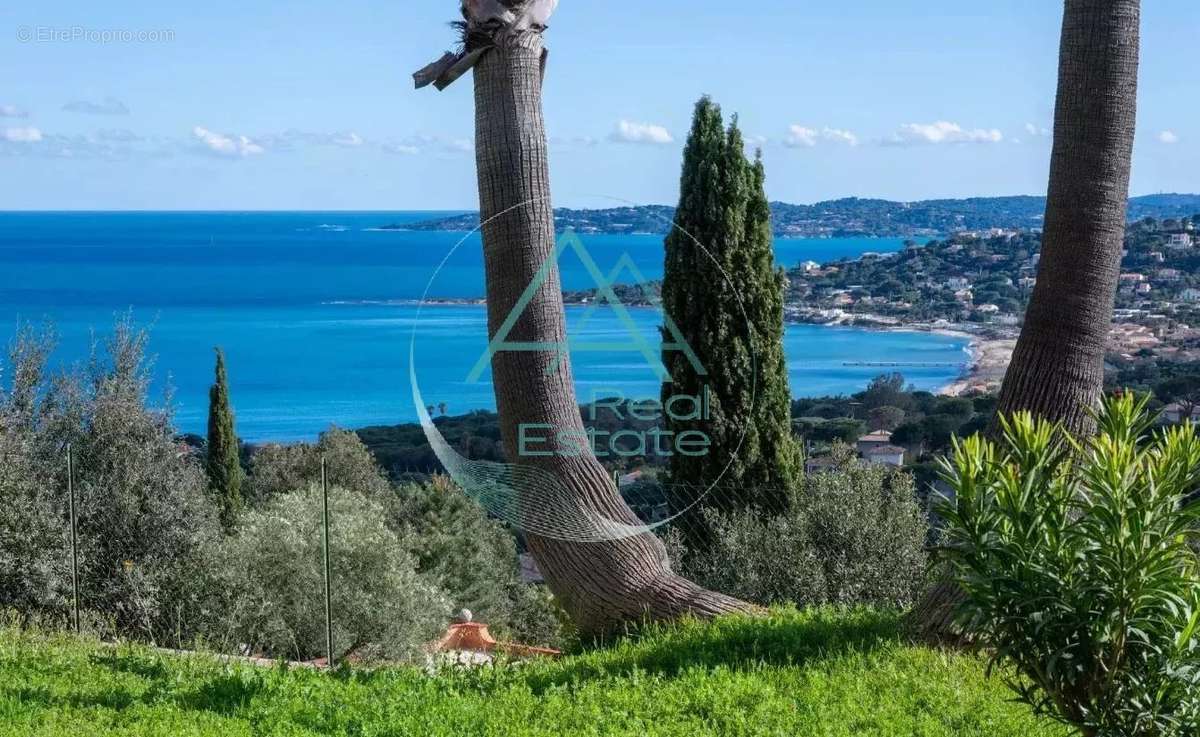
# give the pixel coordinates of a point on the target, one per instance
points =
(316, 313)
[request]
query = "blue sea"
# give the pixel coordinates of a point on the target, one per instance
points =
(317, 311)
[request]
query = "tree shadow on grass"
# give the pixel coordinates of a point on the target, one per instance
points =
(784, 639)
(115, 699)
(220, 692)
(224, 694)
(136, 664)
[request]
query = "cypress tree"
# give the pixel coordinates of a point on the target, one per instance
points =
(722, 291)
(223, 461)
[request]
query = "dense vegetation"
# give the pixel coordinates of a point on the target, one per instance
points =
(986, 278)
(853, 535)
(723, 327)
(1075, 562)
(155, 564)
(841, 674)
(848, 217)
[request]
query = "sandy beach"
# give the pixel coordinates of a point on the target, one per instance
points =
(989, 361)
(989, 349)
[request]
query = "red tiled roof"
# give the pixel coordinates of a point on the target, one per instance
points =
(474, 637)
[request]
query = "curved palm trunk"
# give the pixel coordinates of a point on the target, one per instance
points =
(1057, 369)
(602, 584)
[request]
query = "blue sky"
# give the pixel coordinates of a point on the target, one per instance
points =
(309, 105)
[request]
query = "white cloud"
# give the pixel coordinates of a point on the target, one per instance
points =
(420, 143)
(21, 135)
(224, 145)
(12, 111)
(839, 136)
(1037, 131)
(801, 137)
(631, 132)
(107, 106)
(942, 132)
(349, 140)
(1168, 137)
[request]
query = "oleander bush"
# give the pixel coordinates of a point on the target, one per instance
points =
(1078, 575)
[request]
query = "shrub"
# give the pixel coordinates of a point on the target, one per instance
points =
(33, 530)
(144, 515)
(851, 536)
(278, 469)
(454, 543)
(1076, 568)
(273, 571)
(474, 560)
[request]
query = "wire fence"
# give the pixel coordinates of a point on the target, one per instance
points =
(660, 506)
(76, 626)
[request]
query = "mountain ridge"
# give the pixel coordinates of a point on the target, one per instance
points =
(848, 216)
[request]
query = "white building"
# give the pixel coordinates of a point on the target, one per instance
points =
(877, 439)
(1180, 240)
(1176, 412)
(885, 455)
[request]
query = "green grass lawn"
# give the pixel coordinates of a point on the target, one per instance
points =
(803, 674)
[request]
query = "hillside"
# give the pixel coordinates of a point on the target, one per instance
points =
(849, 217)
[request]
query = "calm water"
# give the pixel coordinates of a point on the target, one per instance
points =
(315, 312)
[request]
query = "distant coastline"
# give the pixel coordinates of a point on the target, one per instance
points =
(988, 349)
(844, 218)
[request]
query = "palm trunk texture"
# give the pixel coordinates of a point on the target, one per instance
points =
(602, 585)
(1057, 369)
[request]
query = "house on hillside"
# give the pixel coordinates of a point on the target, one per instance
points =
(1180, 240)
(885, 455)
(877, 439)
(1176, 412)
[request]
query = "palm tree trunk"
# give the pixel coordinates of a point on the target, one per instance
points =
(602, 584)
(1057, 369)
